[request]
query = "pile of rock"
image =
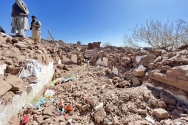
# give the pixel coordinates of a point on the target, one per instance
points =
(171, 69)
(97, 95)
(13, 53)
(95, 100)
(137, 66)
(15, 50)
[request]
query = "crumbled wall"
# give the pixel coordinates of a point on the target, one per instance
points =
(26, 97)
(102, 62)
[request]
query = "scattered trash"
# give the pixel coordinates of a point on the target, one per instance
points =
(69, 76)
(49, 93)
(61, 111)
(55, 81)
(31, 67)
(68, 108)
(66, 116)
(67, 79)
(40, 102)
(25, 119)
(61, 80)
(86, 97)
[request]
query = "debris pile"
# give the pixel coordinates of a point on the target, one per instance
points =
(93, 85)
(92, 99)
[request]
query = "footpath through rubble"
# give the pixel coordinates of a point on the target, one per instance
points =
(95, 86)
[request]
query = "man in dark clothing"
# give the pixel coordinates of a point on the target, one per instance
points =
(33, 20)
(2, 30)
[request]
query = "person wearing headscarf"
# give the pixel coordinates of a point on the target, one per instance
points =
(35, 27)
(19, 16)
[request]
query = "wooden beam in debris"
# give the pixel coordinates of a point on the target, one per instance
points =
(50, 35)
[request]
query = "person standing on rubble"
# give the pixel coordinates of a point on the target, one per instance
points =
(19, 16)
(35, 27)
(2, 30)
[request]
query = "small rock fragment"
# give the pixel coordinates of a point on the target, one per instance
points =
(143, 112)
(160, 113)
(85, 107)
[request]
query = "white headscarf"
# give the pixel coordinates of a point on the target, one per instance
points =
(22, 5)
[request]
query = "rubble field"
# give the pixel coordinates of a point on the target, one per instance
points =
(92, 85)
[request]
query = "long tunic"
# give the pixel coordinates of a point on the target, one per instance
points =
(19, 23)
(36, 33)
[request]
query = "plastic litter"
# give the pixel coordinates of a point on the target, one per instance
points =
(66, 116)
(25, 119)
(61, 80)
(31, 67)
(68, 108)
(61, 111)
(86, 96)
(40, 102)
(55, 81)
(49, 93)
(67, 79)
(69, 76)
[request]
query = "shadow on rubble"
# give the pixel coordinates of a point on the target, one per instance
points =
(162, 99)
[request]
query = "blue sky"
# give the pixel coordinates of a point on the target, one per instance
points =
(95, 20)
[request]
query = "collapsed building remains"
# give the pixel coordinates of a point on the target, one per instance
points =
(58, 83)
